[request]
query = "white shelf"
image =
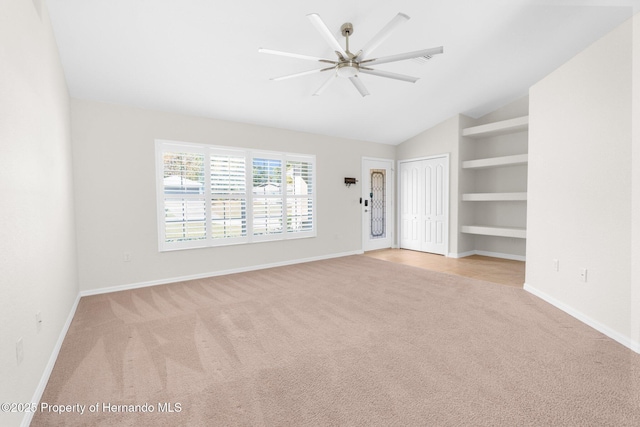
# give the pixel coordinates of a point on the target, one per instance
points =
(494, 162)
(494, 197)
(497, 128)
(519, 233)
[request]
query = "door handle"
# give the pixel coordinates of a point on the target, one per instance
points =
(366, 202)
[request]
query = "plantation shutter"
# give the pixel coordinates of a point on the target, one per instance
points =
(300, 190)
(267, 195)
(184, 216)
(228, 196)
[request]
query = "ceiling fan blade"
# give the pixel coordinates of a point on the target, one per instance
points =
(402, 56)
(295, 55)
(304, 73)
(325, 33)
(359, 85)
(389, 75)
(326, 84)
(383, 34)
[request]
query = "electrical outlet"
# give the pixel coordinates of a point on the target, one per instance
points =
(126, 256)
(556, 265)
(19, 351)
(38, 322)
(583, 274)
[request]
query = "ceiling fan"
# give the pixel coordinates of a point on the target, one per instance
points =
(349, 65)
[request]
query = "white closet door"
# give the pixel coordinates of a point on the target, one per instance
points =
(424, 211)
(410, 189)
(434, 213)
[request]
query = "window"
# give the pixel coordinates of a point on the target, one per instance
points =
(211, 196)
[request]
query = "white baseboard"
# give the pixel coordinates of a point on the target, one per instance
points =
(489, 254)
(624, 340)
(37, 395)
(212, 274)
(501, 255)
(461, 254)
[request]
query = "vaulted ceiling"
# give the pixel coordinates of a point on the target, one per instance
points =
(200, 57)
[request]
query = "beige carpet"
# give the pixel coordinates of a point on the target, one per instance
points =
(351, 341)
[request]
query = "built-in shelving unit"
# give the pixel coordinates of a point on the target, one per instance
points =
(487, 132)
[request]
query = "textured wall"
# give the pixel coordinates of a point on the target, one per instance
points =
(580, 184)
(37, 240)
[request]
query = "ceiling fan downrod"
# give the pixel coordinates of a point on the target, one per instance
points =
(347, 67)
(347, 30)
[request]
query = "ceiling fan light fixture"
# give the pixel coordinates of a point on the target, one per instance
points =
(347, 69)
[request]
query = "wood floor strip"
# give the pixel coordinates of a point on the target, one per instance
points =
(495, 270)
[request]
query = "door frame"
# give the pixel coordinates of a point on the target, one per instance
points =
(390, 198)
(447, 186)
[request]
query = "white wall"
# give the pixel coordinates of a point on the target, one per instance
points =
(517, 108)
(114, 169)
(634, 301)
(37, 240)
(579, 208)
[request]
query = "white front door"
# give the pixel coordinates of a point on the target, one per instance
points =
(424, 205)
(377, 204)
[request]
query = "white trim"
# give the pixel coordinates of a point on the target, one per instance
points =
(377, 159)
(489, 254)
(461, 254)
(118, 288)
(417, 159)
(625, 341)
(502, 255)
(37, 395)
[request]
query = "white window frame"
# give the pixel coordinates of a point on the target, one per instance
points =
(162, 146)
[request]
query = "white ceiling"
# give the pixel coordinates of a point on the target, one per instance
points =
(200, 57)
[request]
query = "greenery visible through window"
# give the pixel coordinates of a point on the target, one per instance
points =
(210, 195)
